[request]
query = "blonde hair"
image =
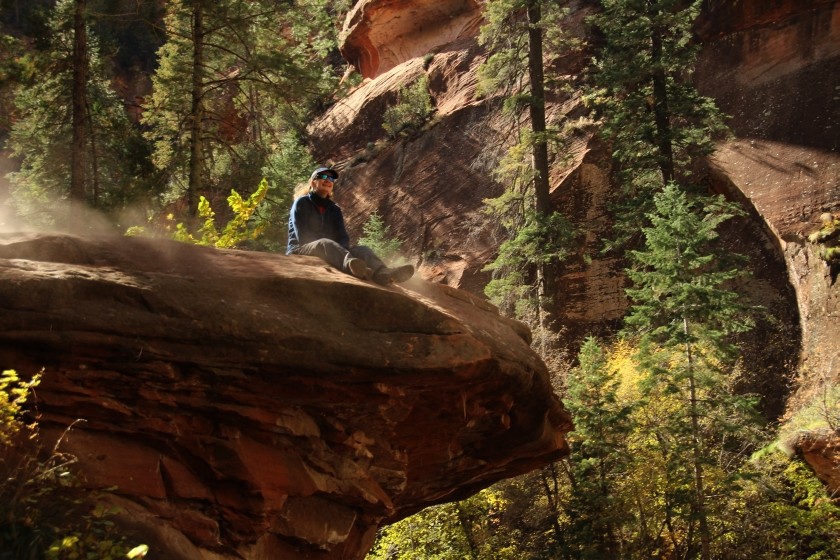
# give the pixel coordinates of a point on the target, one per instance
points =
(303, 188)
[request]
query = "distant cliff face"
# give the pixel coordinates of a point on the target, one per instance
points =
(381, 34)
(771, 65)
(250, 405)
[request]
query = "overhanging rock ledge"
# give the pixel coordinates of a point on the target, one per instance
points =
(252, 405)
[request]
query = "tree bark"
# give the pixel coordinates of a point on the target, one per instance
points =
(79, 103)
(699, 486)
(94, 161)
(553, 499)
(545, 272)
(196, 178)
(468, 535)
(660, 108)
(537, 107)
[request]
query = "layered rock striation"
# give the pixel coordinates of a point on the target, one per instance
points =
(246, 405)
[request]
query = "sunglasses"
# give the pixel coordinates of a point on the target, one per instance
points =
(329, 178)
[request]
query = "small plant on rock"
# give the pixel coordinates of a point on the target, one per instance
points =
(377, 236)
(412, 110)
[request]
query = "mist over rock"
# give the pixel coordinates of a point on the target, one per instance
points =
(252, 405)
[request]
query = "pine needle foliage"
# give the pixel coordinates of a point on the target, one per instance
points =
(235, 77)
(522, 38)
(540, 239)
(684, 313)
(41, 135)
(599, 457)
(377, 236)
(657, 122)
(676, 276)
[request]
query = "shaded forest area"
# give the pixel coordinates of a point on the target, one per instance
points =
(137, 111)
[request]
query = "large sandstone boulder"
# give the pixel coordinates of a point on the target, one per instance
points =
(247, 405)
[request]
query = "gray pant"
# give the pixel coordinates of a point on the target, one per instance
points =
(337, 256)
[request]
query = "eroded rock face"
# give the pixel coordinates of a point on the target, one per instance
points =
(381, 34)
(771, 65)
(250, 405)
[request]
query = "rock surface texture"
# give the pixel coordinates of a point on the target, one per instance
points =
(381, 34)
(771, 65)
(248, 405)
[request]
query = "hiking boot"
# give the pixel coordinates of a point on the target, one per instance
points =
(358, 268)
(386, 275)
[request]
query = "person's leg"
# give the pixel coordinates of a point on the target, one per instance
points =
(366, 254)
(382, 274)
(335, 255)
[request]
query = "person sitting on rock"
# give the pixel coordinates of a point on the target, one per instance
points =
(316, 227)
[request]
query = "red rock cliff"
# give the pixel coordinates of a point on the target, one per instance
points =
(772, 65)
(381, 34)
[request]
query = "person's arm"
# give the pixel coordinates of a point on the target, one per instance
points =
(342, 237)
(295, 221)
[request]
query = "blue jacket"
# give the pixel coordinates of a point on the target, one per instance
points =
(312, 218)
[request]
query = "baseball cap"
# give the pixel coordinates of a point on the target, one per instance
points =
(326, 171)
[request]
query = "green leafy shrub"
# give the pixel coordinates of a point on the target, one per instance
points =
(786, 514)
(828, 238)
(412, 110)
(45, 515)
(239, 229)
(453, 531)
(821, 411)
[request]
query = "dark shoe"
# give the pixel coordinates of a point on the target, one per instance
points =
(386, 275)
(358, 268)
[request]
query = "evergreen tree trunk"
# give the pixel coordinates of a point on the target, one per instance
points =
(660, 108)
(79, 114)
(535, 71)
(545, 272)
(94, 157)
(468, 536)
(196, 182)
(699, 489)
(553, 499)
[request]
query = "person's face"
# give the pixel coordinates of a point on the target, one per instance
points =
(323, 185)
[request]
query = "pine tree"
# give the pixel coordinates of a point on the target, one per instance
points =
(651, 112)
(378, 237)
(235, 78)
(684, 312)
(598, 457)
(72, 135)
(516, 34)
